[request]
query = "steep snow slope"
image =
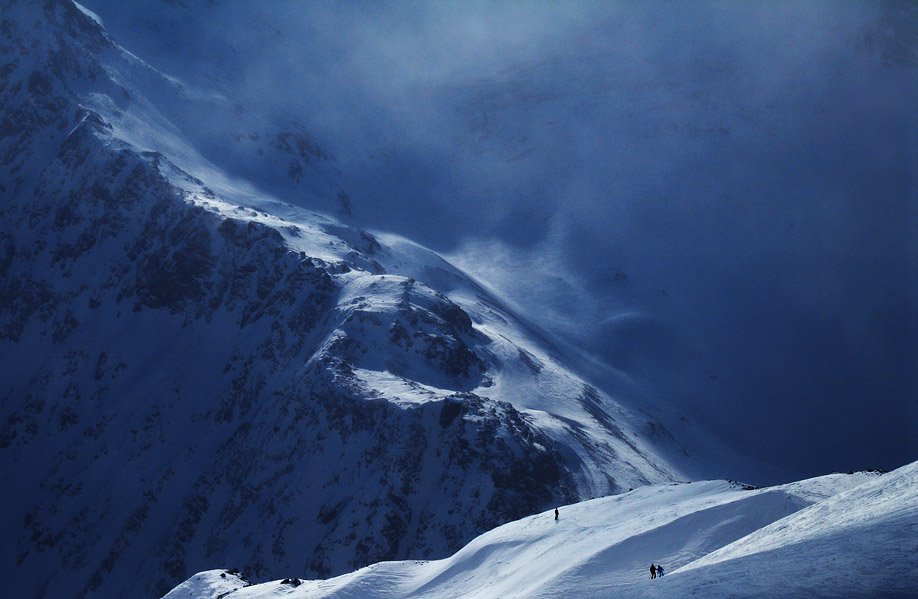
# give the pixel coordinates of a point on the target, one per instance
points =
(194, 372)
(832, 536)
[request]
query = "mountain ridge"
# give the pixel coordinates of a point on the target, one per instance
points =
(839, 535)
(198, 364)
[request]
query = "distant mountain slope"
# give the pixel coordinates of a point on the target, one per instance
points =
(832, 536)
(194, 372)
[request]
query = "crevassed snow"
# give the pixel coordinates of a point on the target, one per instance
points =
(831, 536)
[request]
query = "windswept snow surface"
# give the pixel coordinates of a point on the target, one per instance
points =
(832, 536)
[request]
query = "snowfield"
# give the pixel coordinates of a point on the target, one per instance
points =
(839, 535)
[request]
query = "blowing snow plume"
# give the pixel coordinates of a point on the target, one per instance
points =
(741, 177)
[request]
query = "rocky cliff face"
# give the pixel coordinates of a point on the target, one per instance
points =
(189, 379)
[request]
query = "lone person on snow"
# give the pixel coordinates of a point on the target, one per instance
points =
(653, 571)
(556, 513)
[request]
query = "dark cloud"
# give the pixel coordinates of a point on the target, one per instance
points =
(729, 188)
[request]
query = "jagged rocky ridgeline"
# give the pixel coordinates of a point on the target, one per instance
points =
(189, 378)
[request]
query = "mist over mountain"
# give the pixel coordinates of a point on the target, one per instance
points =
(309, 287)
(716, 199)
(195, 370)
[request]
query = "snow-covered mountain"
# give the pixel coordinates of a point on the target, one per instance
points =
(197, 373)
(842, 535)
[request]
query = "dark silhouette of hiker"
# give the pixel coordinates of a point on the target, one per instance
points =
(659, 570)
(653, 571)
(556, 513)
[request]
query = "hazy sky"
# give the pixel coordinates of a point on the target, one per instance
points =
(718, 198)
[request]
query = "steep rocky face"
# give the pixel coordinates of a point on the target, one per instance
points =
(188, 380)
(48, 55)
(189, 383)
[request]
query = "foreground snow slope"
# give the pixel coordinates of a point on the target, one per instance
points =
(833, 536)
